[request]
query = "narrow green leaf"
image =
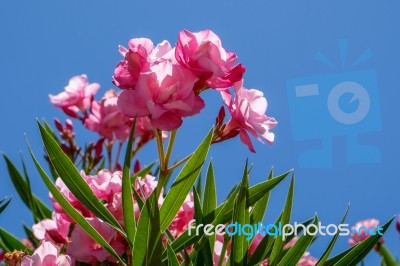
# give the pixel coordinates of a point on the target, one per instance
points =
(240, 245)
(11, 242)
(73, 180)
(210, 191)
(147, 247)
(39, 210)
(30, 235)
(3, 204)
(127, 200)
(4, 247)
(18, 181)
(206, 255)
(278, 245)
(258, 212)
(328, 250)
(264, 247)
(332, 261)
(143, 172)
(218, 220)
(295, 253)
(255, 193)
(183, 183)
(362, 249)
(210, 198)
(72, 212)
(199, 188)
(172, 260)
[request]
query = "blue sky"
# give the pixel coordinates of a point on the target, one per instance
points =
(44, 43)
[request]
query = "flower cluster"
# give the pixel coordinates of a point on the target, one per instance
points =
(162, 84)
(63, 233)
(159, 85)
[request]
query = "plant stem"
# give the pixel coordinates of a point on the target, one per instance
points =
(118, 154)
(109, 147)
(386, 255)
(180, 162)
(160, 148)
(169, 148)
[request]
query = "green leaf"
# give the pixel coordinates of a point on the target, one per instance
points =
(295, 253)
(278, 245)
(218, 220)
(258, 212)
(18, 181)
(183, 183)
(73, 180)
(172, 260)
(72, 212)
(30, 235)
(39, 210)
(264, 247)
(240, 245)
(127, 200)
(12, 243)
(143, 172)
(388, 258)
(362, 249)
(210, 198)
(3, 204)
(147, 247)
(332, 261)
(206, 255)
(255, 193)
(328, 250)
(210, 191)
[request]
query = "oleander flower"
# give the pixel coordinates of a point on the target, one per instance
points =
(71, 198)
(182, 219)
(137, 59)
(203, 54)
(361, 231)
(105, 184)
(106, 119)
(77, 96)
(218, 246)
(54, 230)
(248, 109)
(165, 95)
(83, 248)
(47, 254)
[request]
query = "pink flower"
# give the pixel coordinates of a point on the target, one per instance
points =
(203, 54)
(362, 229)
(398, 223)
(248, 115)
(105, 184)
(185, 214)
(165, 95)
(307, 260)
(218, 246)
(145, 185)
(47, 254)
(107, 120)
(77, 96)
(54, 230)
(137, 59)
(83, 248)
(71, 198)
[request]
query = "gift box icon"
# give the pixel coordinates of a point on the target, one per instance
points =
(344, 103)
